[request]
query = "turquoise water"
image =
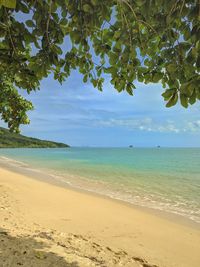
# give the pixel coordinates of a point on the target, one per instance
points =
(166, 179)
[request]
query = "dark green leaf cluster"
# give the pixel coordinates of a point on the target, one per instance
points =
(149, 41)
(13, 106)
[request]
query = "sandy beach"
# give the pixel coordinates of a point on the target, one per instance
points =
(46, 225)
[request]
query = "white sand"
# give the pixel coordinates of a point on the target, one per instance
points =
(46, 225)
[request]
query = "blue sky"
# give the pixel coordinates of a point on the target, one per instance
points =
(80, 115)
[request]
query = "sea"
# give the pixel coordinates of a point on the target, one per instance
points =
(165, 179)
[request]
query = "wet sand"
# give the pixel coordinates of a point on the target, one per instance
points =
(42, 224)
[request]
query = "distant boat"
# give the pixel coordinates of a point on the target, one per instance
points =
(158, 146)
(131, 146)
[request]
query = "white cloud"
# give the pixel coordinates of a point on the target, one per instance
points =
(149, 125)
(193, 126)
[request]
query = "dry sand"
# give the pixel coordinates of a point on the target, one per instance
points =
(46, 225)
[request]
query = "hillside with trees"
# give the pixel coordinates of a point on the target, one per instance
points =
(14, 140)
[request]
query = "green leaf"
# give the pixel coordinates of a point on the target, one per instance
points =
(8, 3)
(192, 98)
(87, 8)
(64, 13)
(117, 35)
(94, 82)
(168, 93)
(198, 62)
(157, 77)
(129, 89)
(171, 68)
(57, 49)
(85, 78)
(75, 36)
(173, 100)
(30, 23)
(184, 100)
(94, 2)
(113, 58)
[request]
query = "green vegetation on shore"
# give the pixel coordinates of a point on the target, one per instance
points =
(13, 140)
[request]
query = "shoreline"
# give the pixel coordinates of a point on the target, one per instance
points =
(40, 175)
(95, 231)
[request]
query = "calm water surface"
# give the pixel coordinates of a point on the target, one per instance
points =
(166, 179)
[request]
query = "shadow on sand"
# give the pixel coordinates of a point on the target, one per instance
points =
(27, 251)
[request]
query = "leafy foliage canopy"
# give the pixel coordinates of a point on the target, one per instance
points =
(145, 40)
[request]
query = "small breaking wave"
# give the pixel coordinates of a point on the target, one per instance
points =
(139, 197)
